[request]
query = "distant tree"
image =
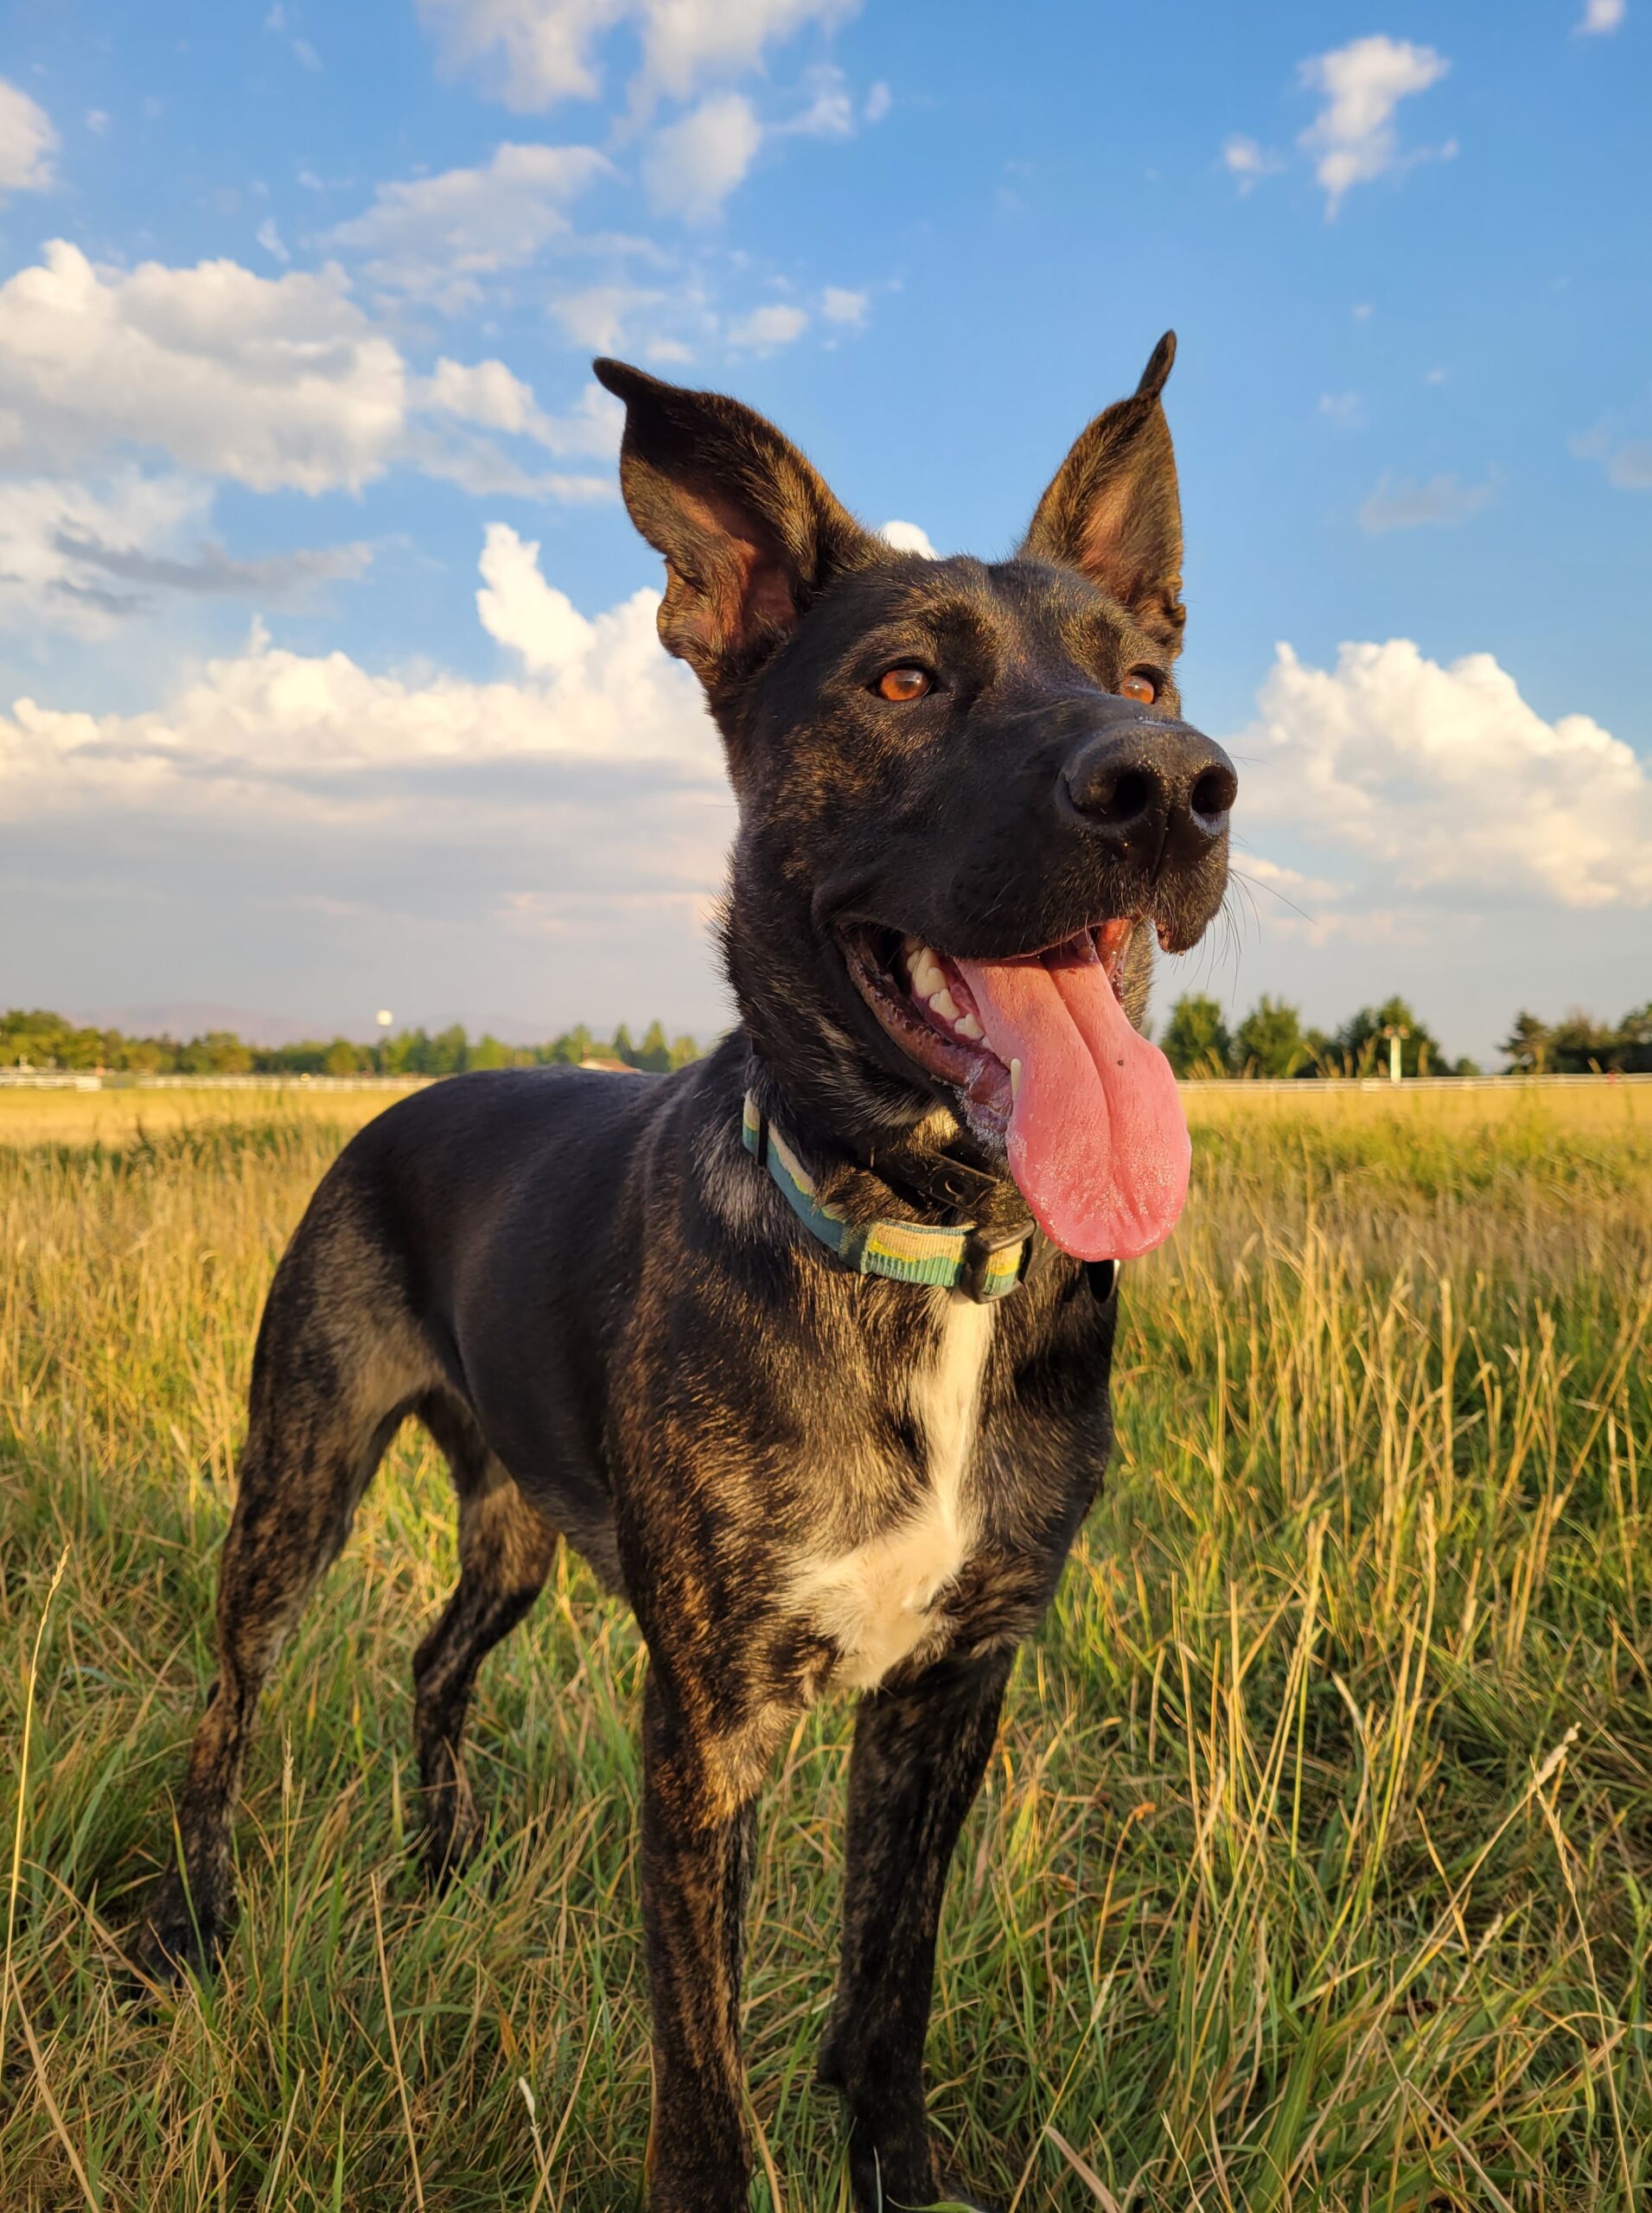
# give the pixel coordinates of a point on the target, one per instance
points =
(219, 1052)
(1195, 1041)
(683, 1051)
(448, 1051)
(1364, 1047)
(489, 1052)
(652, 1055)
(1526, 1045)
(1578, 1044)
(1269, 1042)
(340, 1058)
(622, 1048)
(1635, 1041)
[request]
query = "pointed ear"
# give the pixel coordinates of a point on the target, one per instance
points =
(748, 531)
(1113, 511)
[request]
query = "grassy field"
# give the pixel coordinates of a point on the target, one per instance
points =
(1314, 1869)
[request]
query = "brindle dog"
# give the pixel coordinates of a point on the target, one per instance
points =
(619, 1331)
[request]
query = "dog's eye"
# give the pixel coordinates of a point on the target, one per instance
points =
(904, 683)
(1139, 685)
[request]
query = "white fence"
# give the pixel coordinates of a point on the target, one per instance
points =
(81, 1080)
(122, 1079)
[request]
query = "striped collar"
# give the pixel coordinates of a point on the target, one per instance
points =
(984, 1264)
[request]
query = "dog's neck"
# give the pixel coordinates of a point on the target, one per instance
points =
(934, 1173)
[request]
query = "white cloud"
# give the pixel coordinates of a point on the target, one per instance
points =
(277, 382)
(1402, 503)
(303, 735)
(596, 317)
(693, 165)
(1345, 408)
(1600, 18)
(776, 325)
(1353, 139)
(840, 305)
(489, 395)
(1249, 161)
(433, 237)
(531, 54)
(1626, 462)
(27, 142)
(880, 101)
(908, 538)
(84, 559)
(1447, 779)
(270, 239)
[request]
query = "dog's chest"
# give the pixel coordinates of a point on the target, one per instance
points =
(882, 1600)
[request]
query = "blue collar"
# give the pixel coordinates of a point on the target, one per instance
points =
(986, 1265)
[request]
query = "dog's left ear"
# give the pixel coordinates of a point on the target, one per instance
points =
(749, 529)
(1112, 510)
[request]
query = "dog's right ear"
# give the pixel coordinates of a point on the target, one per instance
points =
(749, 529)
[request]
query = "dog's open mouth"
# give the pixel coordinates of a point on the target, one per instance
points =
(1041, 1053)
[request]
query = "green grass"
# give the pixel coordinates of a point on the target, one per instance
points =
(1314, 1869)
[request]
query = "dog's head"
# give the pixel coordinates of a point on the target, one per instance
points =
(969, 803)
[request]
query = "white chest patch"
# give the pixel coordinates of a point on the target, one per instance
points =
(875, 1602)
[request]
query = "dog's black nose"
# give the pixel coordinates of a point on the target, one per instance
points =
(1155, 793)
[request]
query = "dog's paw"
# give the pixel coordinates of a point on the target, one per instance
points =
(178, 1935)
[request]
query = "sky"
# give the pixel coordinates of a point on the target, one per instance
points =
(328, 672)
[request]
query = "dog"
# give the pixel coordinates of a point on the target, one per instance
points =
(806, 1347)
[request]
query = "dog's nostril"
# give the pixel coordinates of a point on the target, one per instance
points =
(1133, 794)
(1214, 793)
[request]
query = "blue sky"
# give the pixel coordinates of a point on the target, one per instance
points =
(297, 308)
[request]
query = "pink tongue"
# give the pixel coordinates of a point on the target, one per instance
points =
(1097, 1143)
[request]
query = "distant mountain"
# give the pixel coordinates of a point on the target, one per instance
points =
(184, 1018)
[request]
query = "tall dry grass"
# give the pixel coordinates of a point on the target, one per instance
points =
(1314, 1869)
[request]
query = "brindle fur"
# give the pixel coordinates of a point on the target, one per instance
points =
(609, 1319)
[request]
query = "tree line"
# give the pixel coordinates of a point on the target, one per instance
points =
(1272, 1041)
(37, 1038)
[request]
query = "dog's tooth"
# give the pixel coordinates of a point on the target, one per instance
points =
(1015, 1078)
(943, 1003)
(967, 1026)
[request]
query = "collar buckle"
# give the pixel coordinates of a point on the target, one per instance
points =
(979, 1246)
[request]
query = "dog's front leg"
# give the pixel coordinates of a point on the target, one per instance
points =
(698, 1834)
(919, 1757)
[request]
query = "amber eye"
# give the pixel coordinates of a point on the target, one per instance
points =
(1139, 685)
(904, 683)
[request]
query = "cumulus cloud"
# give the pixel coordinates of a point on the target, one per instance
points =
(531, 54)
(411, 839)
(692, 166)
(767, 326)
(487, 393)
(27, 142)
(1626, 462)
(432, 238)
(1448, 780)
(278, 383)
(908, 538)
(81, 558)
(1353, 139)
(1249, 161)
(317, 735)
(1402, 503)
(838, 304)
